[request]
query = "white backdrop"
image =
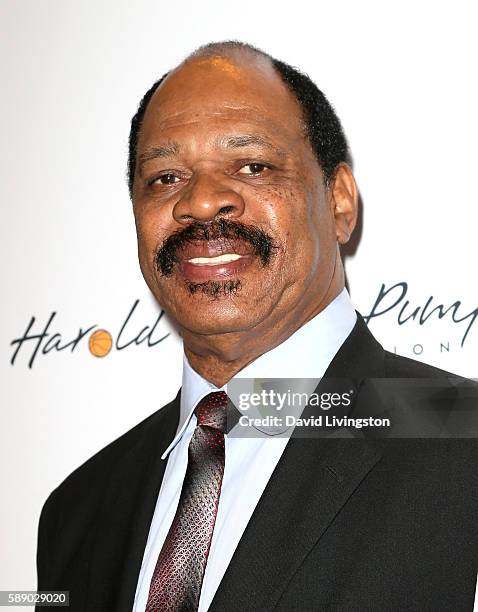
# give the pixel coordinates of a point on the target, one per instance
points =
(402, 77)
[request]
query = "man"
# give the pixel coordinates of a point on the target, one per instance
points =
(242, 195)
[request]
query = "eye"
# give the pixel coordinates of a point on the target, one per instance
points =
(165, 179)
(253, 169)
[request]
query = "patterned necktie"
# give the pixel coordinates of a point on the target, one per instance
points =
(178, 575)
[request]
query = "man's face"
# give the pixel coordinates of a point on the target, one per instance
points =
(235, 227)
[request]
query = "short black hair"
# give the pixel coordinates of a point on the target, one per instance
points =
(322, 126)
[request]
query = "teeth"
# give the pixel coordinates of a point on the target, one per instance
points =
(212, 261)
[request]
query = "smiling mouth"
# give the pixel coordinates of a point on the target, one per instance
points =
(215, 260)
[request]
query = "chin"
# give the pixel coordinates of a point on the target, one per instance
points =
(217, 307)
(216, 325)
(216, 315)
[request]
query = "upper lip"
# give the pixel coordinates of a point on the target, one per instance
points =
(213, 248)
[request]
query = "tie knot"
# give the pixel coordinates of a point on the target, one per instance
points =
(211, 410)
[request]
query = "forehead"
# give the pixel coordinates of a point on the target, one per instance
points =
(230, 93)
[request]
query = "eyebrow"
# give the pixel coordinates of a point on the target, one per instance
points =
(246, 140)
(168, 150)
(173, 149)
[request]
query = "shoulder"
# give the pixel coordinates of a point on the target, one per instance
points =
(70, 519)
(86, 483)
(404, 367)
(417, 382)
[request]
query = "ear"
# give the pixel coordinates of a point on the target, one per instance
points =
(343, 194)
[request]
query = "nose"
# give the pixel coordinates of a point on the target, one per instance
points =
(205, 199)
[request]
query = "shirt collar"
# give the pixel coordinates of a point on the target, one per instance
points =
(313, 346)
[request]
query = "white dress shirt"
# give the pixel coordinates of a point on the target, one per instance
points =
(249, 462)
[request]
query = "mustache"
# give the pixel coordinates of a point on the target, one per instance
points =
(168, 254)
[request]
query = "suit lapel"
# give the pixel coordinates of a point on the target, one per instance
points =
(124, 519)
(311, 483)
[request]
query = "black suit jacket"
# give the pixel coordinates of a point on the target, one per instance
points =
(343, 524)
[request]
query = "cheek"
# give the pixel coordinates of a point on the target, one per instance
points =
(299, 225)
(310, 240)
(150, 230)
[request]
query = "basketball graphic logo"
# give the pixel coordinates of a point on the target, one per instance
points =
(100, 343)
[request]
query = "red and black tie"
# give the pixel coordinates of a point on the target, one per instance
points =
(179, 572)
